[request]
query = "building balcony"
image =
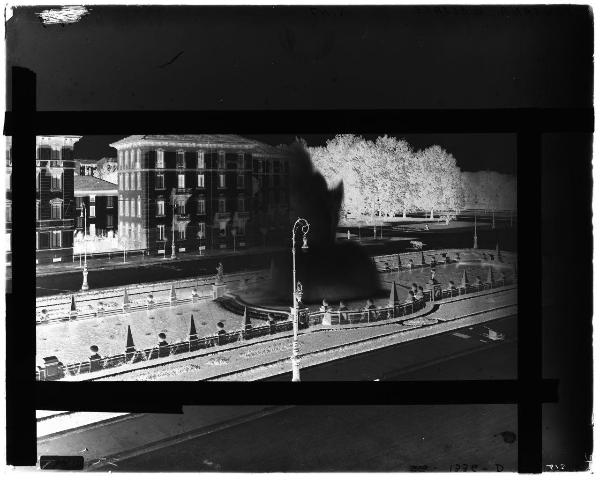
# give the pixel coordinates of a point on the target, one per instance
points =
(42, 224)
(183, 191)
(222, 216)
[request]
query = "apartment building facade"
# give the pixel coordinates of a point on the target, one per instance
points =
(98, 199)
(200, 192)
(55, 200)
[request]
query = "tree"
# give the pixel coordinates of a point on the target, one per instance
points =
(343, 159)
(438, 179)
(386, 176)
(393, 158)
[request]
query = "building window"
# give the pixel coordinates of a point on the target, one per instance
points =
(9, 211)
(109, 221)
(160, 181)
(161, 232)
(37, 240)
(55, 240)
(92, 210)
(132, 179)
(180, 159)
(201, 163)
(37, 210)
(201, 206)
(37, 181)
(78, 202)
(110, 202)
(241, 204)
(139, 181)
(56, 210)
(139, 207)
(181, 180)
(240, 161)
(160, 159)
(92, 198)
(160, 208)
(221, 164)
(222, 205)
(241, 181)
(44, 153)
(120, 205)
(126, 202)
(221, 180)
(201, 230)
(56, 181)
(200, 180)
(138, 156)
(180, 207)
(79, 221)
(181, 231)
(126, 178)
(132, 207)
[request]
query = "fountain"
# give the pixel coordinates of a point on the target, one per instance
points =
(328, 269)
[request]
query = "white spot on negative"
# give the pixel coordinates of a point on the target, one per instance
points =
(70, 14)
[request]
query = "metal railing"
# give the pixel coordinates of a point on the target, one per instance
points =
(282, 323)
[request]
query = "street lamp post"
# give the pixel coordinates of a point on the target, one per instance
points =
(297, 294)
(84, 285)
(173, 254)
(233, 234)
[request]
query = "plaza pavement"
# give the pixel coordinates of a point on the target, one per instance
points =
(267, 356)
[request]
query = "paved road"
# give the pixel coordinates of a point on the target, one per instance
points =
(159, 270)
(361, 438)
(349, 438)
(138, 272)
(411, 360)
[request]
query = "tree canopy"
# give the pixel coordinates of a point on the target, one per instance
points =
(387, 177)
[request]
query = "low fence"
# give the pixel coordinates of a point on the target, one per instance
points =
(116, 254)
(108, 301)
(279, 321)
(427, 258)
(111, 301)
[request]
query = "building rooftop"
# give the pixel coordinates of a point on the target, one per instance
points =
(86, 183)
(205, 140)
(86, 161)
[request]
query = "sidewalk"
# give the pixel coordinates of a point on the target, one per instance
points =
(116, 260)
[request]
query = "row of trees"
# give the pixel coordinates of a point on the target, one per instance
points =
(387, 177)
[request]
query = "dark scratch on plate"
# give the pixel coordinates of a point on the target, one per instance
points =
(171, 61)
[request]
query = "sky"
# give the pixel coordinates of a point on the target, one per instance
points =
(472, 151)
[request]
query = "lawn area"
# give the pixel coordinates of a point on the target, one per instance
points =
(71, 341)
